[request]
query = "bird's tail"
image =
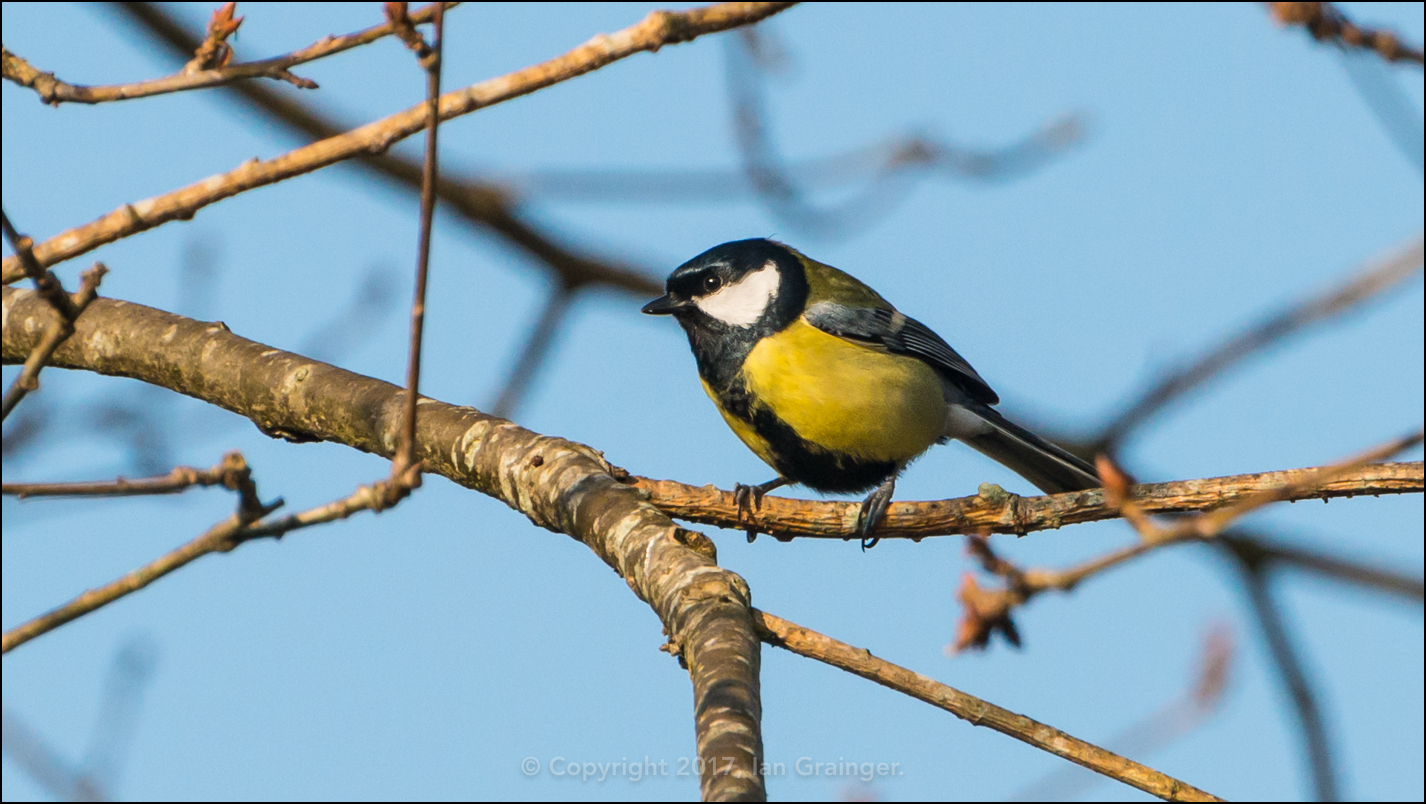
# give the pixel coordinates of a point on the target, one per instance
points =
(1052, 469)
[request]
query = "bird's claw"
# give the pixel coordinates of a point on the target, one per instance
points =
(750, 500)
(874, 507)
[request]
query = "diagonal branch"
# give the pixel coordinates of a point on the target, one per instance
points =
(1274, 552)
(658, 29)
(1289, 667)
(534, 353)
(806, 642)
(1327, 24)
(479, 203)
(1375, 278)
(222, 537)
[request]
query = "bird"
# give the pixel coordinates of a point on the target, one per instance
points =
(832, 386)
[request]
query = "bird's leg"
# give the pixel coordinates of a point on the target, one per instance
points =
(873, 509)
(750, 499)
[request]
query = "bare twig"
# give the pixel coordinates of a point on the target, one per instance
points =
(222, 537)
(215, 51)
(1209, 524)
(46, 284)
(405, 468)
(911, 153)
(51, 771)
(61, 327)
(1377, 85)
(1368, 282)
(229, 473)
(243, 526)
(533, 355)
(1327, 24)
(658, 29)
(987, 611)
(1289, 668)
(1274, 552)
(775, 184)
(196, 76)
(805, 642)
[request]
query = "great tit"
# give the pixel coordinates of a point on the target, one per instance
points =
(833, 387)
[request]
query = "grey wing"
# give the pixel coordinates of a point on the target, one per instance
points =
(902, 335)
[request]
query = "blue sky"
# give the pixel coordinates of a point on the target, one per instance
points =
(1230, 168)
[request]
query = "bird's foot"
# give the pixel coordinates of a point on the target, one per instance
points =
(873, 509)
(750, 500)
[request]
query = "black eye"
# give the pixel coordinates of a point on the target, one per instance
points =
(712, 283)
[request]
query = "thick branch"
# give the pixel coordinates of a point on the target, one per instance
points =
(560, 485)
(805, 642)
(660, 28)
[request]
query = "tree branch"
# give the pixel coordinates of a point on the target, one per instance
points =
(660, 28)
(1294, 678)
(181, 478)
(560, 485)
(54, 91)
(1327, 24)
(1365, 283)
(480, 203)
(996, 511)
(858, 661)
(222, 537)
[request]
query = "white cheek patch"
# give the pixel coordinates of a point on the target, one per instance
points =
(742, 303)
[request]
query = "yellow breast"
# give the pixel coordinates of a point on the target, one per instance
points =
(845, 397)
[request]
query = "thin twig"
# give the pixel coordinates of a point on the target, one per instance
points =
(657, 30)
(1210, 523)
(1289, 668)
(59, 329)
(46, 284)
(1368, 282)
(244, 526)
(53, 91)
(1327, 24)
(222, 537)
(806, 642)
(986, 611)
(33, 754)
(405, 469)
(226, 473)
(910, 153)
(767, 173)
(1338, 568)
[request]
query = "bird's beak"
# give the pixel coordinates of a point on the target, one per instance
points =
(664, 305)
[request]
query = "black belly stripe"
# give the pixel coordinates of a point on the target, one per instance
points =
(797, 459)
